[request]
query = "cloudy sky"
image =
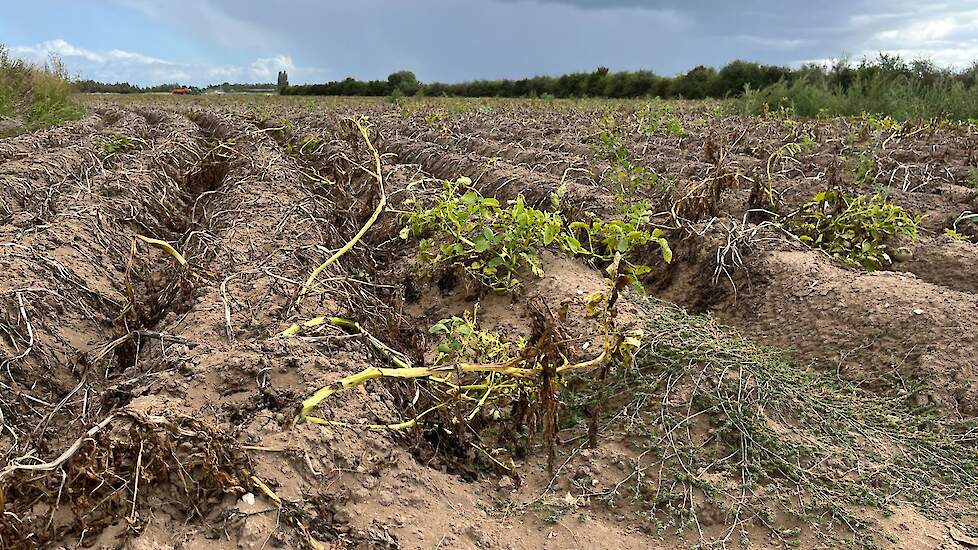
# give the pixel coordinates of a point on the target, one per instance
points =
(212, 41)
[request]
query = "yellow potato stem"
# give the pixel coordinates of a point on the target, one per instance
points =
(165, 246)
(508, 368)
(379, 176)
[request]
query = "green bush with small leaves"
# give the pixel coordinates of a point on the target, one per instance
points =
(626, 177)
(857, 230)
(35, 96)
(862, 167)
(615, 241)
(658, 117)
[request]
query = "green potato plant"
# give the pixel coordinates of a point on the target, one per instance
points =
(490, 243)
(117, 144)
(494, 245)
(857, 230)
(461, 340)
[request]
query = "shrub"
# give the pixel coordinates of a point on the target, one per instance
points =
(614, 241)
(625, 177)
(887, 86)
(35, 96)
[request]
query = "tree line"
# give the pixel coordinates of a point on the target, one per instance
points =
(698, 83)
(92, 86)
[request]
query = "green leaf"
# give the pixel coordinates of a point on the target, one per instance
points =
(638, 270)
(481, 244)
(550, 233)
(574, 245)
(666, 251)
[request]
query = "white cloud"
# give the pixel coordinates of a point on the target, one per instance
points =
(268, 67)
(943, 33)
(39, 53)
(137, 58)
(137, 68)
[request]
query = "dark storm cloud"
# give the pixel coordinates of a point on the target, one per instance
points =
(452, 40)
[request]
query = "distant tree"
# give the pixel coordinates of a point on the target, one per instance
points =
(594, 84)
(405, 81)
(732, 79)
(696, 84)
(868, 78)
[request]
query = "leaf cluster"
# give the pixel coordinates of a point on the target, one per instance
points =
(858, 230)
(624, 175)
(494, 244)
(117, 144)
(462, 340)
(658, 117)
(490, 243)
(615, 241)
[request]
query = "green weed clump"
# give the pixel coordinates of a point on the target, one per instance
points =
(857, 230)
(888, 87)
(613, 241)
(658, 117)
(35, 96)
(117, 144)
(461, 339)
(490, 244)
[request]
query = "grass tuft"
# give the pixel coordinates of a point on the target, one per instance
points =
(33, 96)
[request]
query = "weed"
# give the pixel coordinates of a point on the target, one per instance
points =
(889, 89)
(862, 167)
(881, 123)
(856, 230)
(39, 96)
(725, 417)
(396, 97)
(626, 177)
(309, 144)
(615, 241)
(788, 150)
(658, 117)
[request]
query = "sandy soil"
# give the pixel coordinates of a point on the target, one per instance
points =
(149, 404)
